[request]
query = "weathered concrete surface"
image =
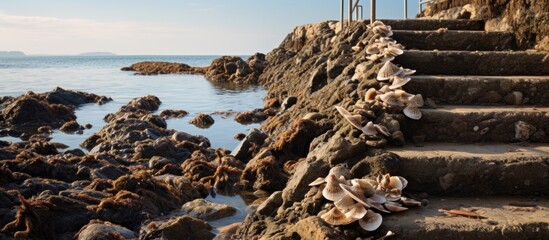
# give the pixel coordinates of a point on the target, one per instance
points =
(472, 169)
(492, 123)
(456, 40)
(476, 63)
(503, 220)
(459, 90)
(434, 24)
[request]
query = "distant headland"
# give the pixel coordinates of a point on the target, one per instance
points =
(97, 54)
(11, 54)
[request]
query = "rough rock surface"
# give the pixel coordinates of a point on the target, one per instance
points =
(153, 68)
(529, 19)
(206, 210)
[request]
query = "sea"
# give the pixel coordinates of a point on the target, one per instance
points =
(101, 75)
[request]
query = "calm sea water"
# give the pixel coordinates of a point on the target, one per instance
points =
(101, 75)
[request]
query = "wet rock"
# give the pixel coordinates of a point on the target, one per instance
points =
(239, 136)
(74, 98)
(270, 206)
(30, 111)
(250, 117)
(76, 152)
(314, 228)
(173, 113)
(98, 230)
(70, 127)
(294, 143)
(235, 70)
(226, 232)
(202, 120)
(45, 129)
(249, 145)
(182, 228)
(206, 210)
(153, 68)
(289, 102)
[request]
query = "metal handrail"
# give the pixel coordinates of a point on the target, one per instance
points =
(423, 2)
(357, 9)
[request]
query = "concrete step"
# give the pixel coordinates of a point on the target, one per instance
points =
(466, 90)
(456, 40)
(453, 123)
(505, 218)
(475, 169)
(434, 24)
(527, 63)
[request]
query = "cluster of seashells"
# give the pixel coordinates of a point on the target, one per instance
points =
(362, 200)
(385, 49)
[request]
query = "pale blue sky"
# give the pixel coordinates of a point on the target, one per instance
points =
(174, 27)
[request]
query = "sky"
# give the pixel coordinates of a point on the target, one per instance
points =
(165, 27)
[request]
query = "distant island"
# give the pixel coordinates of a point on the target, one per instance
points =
(11, 54)
(97, 54)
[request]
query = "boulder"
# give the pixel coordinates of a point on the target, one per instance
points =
(206, 210)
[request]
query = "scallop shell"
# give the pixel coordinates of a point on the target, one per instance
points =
(355, 192)
(340, 171)
(406, 72)
(386, 40)
(384, 89)
(412, 111)
(378, 198)
(342, 111)
(387, 71)
(374, 57)
(332, 191)
(382, 129)
(410, 202)
(354, 120)
(369, 129)
(356, 212)
(366, 185)
(394, 207)
(403, 94)
(346, 203)
(398, 82)
(370, 94)
(395, 182)
(373, 49)
(317, 182)
(390, 98)
(335, 217)
(377, 206)
(386, 58)
(418, 100)
(392, 51)
(371, 221)
(376, 23)
(384, 30)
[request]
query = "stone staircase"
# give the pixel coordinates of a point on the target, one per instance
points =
(465, 153)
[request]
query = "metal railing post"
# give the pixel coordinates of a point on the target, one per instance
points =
(350, 12)
(372, 11)
(405, 9)
(342, 14)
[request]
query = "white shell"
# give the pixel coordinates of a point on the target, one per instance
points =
(387, 71)
(412, 111)
(382, 129)
(370, 94)
(346, 203)
(390, 98)
(355, 192)
(369, 129)
(356, 212)
(317, 182)
(335, 217)
(406, 72)
(332, 191)
(398, 82)
(367, 187)
(394, 207)
(371, 221)
(418, 100)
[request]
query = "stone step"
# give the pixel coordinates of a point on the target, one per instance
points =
(458, 123)
(456, 40)
(527, 63)
(434, 24)
(475, 169)
(484, 90)
(504, 218)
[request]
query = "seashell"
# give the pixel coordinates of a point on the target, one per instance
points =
(354, 120)
(346, 203)
(355, 192)
(442, 30)
(410, 202)
(387, 71)
(418, 100)
(373, 49)
(317, 182)
(335, 217)
(398, 82)
(374, 57)
(370, 94)
(392, 51)
(342, 111)
(403, 94)
(386, 58)
(371, 221)
(366, 185)
(376, 23)
(332, 191)
(391, 99)
(369, 129)
(340, 171)
(406, 72)
(394, 207)
(384, 89)
(384, 30)
(382, 129)
(387, 41)
(412, 111)
(396, 182)
(378, 198)
(376, 205)
(357, 212)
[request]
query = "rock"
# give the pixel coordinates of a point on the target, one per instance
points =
(202, 120)
(153, 68)
(239, 136)
(234, 69)
(270, 206)
(31, 111)
(70, 127)
(98, 230)
(298, 184)
(289, 102)
(206, 210)
(183, 228)
(313, 228)
(338, 150)
(73, 98)
(250, 117)
(318, 79)
(226, 232)
(76, 152)
(249, 145)
(173, 113)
